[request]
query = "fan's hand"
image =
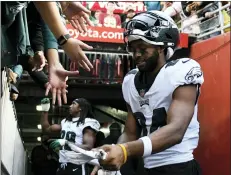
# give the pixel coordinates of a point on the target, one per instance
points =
(38, 61)
(77, 14)
(73, 49)
(57, 82)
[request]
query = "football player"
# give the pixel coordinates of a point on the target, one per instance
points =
(78, 127)
(161, 96)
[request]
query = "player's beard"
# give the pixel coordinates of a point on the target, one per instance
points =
(150, 64)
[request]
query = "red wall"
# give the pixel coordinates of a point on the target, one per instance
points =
(213, 152)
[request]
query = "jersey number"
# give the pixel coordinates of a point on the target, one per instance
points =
(69, 136)
(159, 119)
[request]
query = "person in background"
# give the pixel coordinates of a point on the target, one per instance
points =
(187, 11)
(95, 17)
(79, 127)
(152, 5)
(130, 12)
(115, 132)
(109, 19)
(44, 160)
(211, 21)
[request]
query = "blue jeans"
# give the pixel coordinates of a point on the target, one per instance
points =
(18, 70)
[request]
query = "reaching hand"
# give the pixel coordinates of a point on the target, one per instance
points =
(57, 82)
(38, 61)
(77, 14)
(73, 49)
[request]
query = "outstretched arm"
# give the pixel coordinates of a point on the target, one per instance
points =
(73, 47)
(46, 127)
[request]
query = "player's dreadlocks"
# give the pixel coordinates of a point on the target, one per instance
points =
(86, 110)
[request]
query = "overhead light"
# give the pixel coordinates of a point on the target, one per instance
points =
(39, 126)
(39, 139)
(39, 108)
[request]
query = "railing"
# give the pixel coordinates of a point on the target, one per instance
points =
(218, 21)
(108, 67)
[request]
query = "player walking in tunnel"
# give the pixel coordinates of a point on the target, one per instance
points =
(161, 96)
(78, 127)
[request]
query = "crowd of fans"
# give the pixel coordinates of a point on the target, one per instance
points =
(39, 44)
(188, 12)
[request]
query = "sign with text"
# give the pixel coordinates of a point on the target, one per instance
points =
(120, 7)
(98, 34)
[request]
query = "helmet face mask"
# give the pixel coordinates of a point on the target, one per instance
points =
(153, 27)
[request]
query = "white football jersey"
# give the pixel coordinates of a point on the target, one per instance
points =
(150, 108)
(73, 133)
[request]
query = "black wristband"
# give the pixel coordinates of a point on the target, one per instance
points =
(63, 39)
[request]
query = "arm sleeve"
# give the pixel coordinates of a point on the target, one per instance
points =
(36, 37)
(185, 72)
(35, 28)
(50, 42)
(92, 123)
(39, 77)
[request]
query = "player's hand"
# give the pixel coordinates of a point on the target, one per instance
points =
(45, 103)
(38, 61)
(114, 159)
(57, 82)
(77, 14)
(73, 49)
(57, 144)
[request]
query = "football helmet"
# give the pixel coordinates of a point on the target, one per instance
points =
(153, 27)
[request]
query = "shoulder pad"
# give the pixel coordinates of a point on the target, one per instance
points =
(184, 71)
(92, 123)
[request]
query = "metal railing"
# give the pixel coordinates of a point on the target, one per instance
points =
(217, 27)
(108, 67)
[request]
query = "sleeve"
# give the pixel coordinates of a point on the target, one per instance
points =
(62, 122)
(35, 28)
(50, 42)
(186, 71)
(36, 38)
(39, 77)
(92, 123)
(124, 88)
(126, 82)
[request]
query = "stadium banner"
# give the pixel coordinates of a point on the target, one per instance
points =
(98, 34)
(120, 6)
